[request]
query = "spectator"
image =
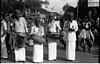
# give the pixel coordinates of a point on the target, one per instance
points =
(4, 53)
(9, 36)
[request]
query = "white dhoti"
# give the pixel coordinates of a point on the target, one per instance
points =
(70, 47)
(71, 39)
(20, 54)
(52, 50)
(38, 53)
(70, 50)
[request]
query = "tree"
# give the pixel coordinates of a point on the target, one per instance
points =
(82, 7)
(35, 4)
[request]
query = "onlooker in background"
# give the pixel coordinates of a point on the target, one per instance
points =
(9, 34)
(92, 21)
(86, 36)
(4, 53)
(98, 23)
(89, 34)
(96, 30)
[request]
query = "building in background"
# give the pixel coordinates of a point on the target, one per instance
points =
(93, 3)
(85, 5)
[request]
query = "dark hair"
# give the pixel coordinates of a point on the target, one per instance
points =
(16, 16)
(37, 22)
(2, 17)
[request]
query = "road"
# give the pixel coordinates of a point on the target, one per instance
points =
(81, 57)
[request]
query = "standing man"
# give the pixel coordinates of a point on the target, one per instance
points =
(9, 35)
(70, 28)
(52, 45)
(37, 48)
(4, 53)
(20, 30)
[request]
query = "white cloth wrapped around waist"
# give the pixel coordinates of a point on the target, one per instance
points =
(72, 36)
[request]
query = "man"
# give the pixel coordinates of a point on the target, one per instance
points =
(70, 28)
(37, 48)
(52, 45)
(21, 30)
(4, 53)
(9, 36)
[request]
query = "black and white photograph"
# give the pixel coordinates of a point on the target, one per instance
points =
(50, 31)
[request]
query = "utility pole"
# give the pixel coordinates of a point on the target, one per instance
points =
(77, 8)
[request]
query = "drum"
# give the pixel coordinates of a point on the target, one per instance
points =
(54, 36)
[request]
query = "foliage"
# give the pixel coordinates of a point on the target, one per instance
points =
(10, 5)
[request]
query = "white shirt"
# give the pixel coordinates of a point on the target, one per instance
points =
(53, 26)
(72, 35)
(37, 31)
(74, 25)
(21, 26)
(3, 27)
(4, 24)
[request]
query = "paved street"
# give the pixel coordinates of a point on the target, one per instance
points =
(81, 57)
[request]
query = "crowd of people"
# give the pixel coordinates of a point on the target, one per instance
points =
(88, 30)
(17, 26)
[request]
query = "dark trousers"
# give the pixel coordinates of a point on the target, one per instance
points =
(9, 42)
(89, 43)
(20, 42)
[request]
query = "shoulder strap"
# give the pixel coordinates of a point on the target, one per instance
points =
(51, 24)
(66, 25)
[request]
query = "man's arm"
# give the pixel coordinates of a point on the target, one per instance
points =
(76, 26)
(42, 31)
(58, 25)
(5, 27)
(25, 25)
(32, 30)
